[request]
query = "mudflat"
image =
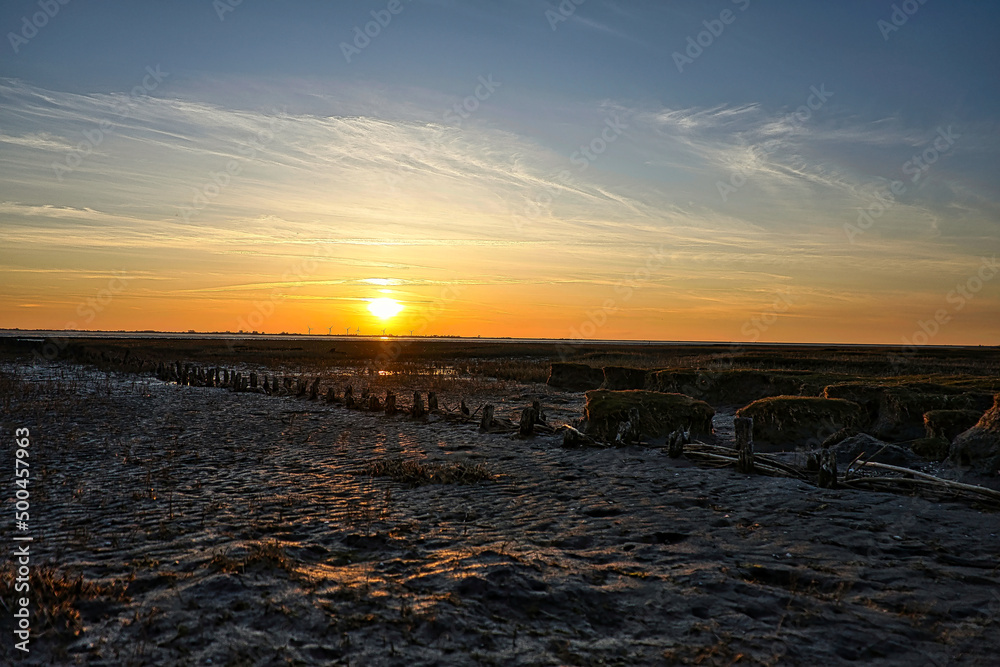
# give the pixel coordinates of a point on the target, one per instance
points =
(180, 524)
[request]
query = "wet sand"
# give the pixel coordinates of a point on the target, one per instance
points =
(248, 532)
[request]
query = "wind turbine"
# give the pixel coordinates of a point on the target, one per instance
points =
(383, 332)
(310, 330)
(348, 331)
(329, 331)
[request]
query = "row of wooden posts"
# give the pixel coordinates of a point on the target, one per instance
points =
(532, 417)
(823, 462)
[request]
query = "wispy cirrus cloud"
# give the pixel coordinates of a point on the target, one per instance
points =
(363, 185)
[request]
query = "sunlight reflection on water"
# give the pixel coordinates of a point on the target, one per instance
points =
(423, 370)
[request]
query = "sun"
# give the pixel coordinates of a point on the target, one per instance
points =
(384, 307)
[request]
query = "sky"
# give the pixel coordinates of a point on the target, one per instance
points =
(722, 170)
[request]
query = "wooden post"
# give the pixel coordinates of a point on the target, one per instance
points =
(432, 402)
(574, 438)
(331, 395)
(744, 444)
(464, 409)
(418, 406)
(828, 469)
(349, 396)
(390, 403)
(675, 444)
(629, 430)
(253, 381)
(527, 426)
(486, 423)
(314, 390)
(373, 403)
(539, 415)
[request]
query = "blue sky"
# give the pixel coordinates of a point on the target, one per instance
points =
(709, 166)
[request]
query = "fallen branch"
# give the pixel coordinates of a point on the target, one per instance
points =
(925, 478)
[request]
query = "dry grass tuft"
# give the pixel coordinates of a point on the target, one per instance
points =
(264, 555)
(56, 595)
(415, 473)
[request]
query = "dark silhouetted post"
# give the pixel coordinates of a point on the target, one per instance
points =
(527, 426)
(675, 444)
(744, 444)
(828, 469)
(418, 406)
(486, 423)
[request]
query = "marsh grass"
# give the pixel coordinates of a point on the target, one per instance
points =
(56, 596)
(415, 473)
(261, 555)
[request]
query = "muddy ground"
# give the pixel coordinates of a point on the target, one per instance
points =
(187, 525)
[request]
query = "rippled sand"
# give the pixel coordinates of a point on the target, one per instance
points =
(248, 532)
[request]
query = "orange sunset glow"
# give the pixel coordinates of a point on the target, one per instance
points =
(650, 206)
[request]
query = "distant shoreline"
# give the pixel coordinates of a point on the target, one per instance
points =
(43, 334)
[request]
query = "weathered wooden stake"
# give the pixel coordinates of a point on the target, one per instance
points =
(465, 410)
(539, 415)
(373, 403)
(629, 430)
(331, 395)
(675, 444)
(828, 469)
(253, 380)
(486, 423)
(390, 403)
(527, 426)
(432, 402)
(314, 390)
(349, 396)
(744, 444)
(418, 406)
(574, 438)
